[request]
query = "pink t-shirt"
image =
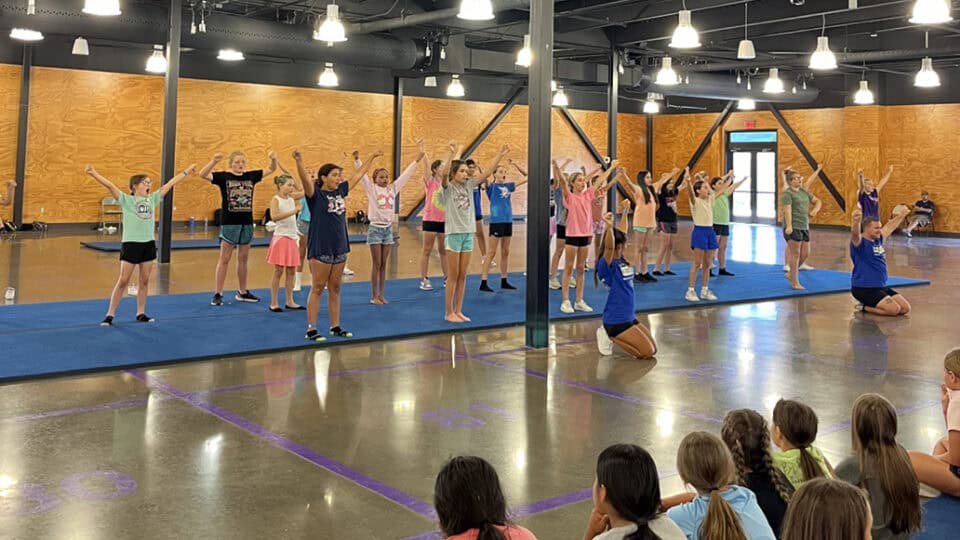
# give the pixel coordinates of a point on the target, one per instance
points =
(381, 200)
(512, 532)
(646, 213)
(430, 211)
(953, 411)
(579, 213)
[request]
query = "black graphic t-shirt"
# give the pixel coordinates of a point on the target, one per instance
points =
(328, 223)
(236, 194)
(667, 209)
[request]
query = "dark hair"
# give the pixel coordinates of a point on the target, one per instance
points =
(714, 180)
(454, 166)
(135, 180)
(435, 165)
(696, 187)
(798, 425)
(629, 475)
(789, 174)
(642, 181)
(868, 220)
(826, 509)
(467, 495)
(619, 239)
(325, 170)
(746, 435)
(470, 162)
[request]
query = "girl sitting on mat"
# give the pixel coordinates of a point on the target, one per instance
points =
(283, 252)
(500, 193)
(328, 241)
(381, 200)
(703, 239)
(138, 249)
(941, 470)
(619, 314)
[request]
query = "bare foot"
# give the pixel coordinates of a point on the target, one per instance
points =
(294, 306)
(797, 286)
(453, 318)
(383, 300)
(375, 301)
(463, 317)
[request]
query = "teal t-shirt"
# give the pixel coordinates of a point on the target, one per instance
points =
(799, 202)
(138, 216)
(721, 210)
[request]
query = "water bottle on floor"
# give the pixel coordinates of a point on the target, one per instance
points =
(9, 294)
(192, 225)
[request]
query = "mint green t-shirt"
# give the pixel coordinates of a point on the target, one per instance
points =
(721, 210)
(789, 464)
(138, 217)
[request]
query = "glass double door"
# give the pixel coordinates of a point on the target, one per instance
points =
(754, 201)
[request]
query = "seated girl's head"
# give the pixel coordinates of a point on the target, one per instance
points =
(795, 426)
(825, 509)
(140, 185)
(745, 433)
(627, 486)
(329, 176)
(285, 184)
(951, 369)
(467, 495)
(381, 177)
(705, 463)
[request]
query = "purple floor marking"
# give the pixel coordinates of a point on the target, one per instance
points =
(76, 410)
(403, 499)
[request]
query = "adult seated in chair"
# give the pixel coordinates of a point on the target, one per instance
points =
(868, 283)
(922, 214)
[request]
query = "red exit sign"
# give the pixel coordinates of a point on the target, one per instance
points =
(750, 124)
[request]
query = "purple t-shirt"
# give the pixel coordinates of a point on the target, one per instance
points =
(869, 264)
(870, 203)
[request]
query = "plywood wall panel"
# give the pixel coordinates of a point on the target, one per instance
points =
(9, 116)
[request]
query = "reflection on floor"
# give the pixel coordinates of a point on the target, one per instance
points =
(345, 441)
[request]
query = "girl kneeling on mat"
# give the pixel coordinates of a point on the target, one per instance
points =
(619, 317)
(283, 252)
(138, 250)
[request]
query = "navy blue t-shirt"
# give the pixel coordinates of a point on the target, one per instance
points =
(478, 210)
(501, 208)
(618, 276)
(328, 223)
(869, 264)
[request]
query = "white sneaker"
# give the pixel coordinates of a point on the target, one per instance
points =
(806, 266)
(347, 271)
(573, 282)
(425, 285)
(604, 344)
(132, 290)
(565, 307)
(786, 268)
(555, 283)
(582, 306)
(707, 294)
(692, 296)
(298, 282)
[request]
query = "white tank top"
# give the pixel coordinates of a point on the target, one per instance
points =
(288, 225)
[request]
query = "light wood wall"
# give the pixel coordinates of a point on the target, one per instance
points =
(9, 111)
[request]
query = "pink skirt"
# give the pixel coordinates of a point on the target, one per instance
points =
(283, 251)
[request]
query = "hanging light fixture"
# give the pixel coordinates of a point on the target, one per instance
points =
(203, 18)
(31, 7)
(667, 76)
(430, 82)
(823, 58)
(746, 51)
(103, 8)
(685, 35)
(746, 104)
(794, 89)
(651, 106)
(455, 89)
(926, 77)
(863, 96)
(738, 77)
(560, 98)
(24, 34)
(81, 47)
(157, 63)
(773, 84)
(475, 10)
(328, 79)
(525, 54)
(230, 55)
(931, 12)
(331, 29)
(749, 86)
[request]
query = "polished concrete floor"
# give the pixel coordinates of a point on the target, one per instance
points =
(344, 442)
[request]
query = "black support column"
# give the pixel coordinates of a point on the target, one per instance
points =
(397, 136)
(613, 102)
(169, 138)
(21, 167)
(538, 168)
(650, 145)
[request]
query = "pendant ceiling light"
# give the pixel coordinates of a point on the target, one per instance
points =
(475, 10)
(746, 104)
(81, 47)
(525, 55)
(31, 7)
(931, 12)
(667, 76)
(746, 50)
(863, 96)
(455, 89)
(926, 77)
(651, 106)
(230, 55)
(103, 8)
(331, 29)
(773, 84)
(24, 34)
(685, 36)
(328, 79)
(157, 63)
(823, 58)
(430, 82)
(560, 98)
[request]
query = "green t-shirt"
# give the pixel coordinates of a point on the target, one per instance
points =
(799, 202)
(138, 218)
(721, 210)
(789, 463)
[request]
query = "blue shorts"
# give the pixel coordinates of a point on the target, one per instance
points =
(380, 235)
(458, 242)
(704, 238)
(332, 259)
(237, 235)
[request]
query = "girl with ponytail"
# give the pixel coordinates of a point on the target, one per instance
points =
(794, 431)
(722, 510)
(626, 498)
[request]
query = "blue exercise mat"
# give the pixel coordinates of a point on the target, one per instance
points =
(205, 243)
(65, 337)
(941, 519)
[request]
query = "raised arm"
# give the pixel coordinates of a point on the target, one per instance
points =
(165, 188)
(103, 181)
(664, 178)
(891, 226)
(361, 171)
(859, 181)
(609, 246)
(504, 150)
(207, 171)
(8, 200)
(306, 184)
(885, 179)
(297, 191)
(813, 177)
(855, 218)
(453, 149)
(272, 167)
(732, 186)
(685, 179)
(518, 168)
(407, 173)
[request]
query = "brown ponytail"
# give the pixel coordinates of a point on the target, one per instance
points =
(705, 463)
(720, 522)
(798, 425)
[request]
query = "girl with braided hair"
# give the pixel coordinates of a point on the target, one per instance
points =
(745, 433)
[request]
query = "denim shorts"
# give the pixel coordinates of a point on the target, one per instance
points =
(379, 235)
(303, 227)
(333, 259)
(458, 242)
(236, 235)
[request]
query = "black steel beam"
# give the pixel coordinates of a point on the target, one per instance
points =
(807, 156)
(21, 167)
(721, 119)
(493, 123)
(613, 99)
(397, 134)
(539, 75)
(590, 147)
(168, 165)
(650, 144)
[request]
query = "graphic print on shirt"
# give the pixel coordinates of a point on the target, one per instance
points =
(878, 250)
(461, 199)
(336, 204)
(144, 210)
(384, 201)
(239, 196)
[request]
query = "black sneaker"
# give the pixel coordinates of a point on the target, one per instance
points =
(313, 335)
(217, 300)
(484, 287)
(723, 272)
(107, 321)
(143, 317)
(648, 278)
(246, 296)
(505, 285)
(657, 273)
(639, 278)
(712, 274)
(668, 273)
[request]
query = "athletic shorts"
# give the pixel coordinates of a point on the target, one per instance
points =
(332, 259)
(643, 229)
(433, 226)
(237, 235)
(578, 241)
(458, 242)
(138, 252)
(669, 227)
(303, 227)
(871, 296)
(501, 230)
(797, 235)
(379, 235)
(703, 238)
(598, 227)
(721, 230)
(614, 330)
(561, 232)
